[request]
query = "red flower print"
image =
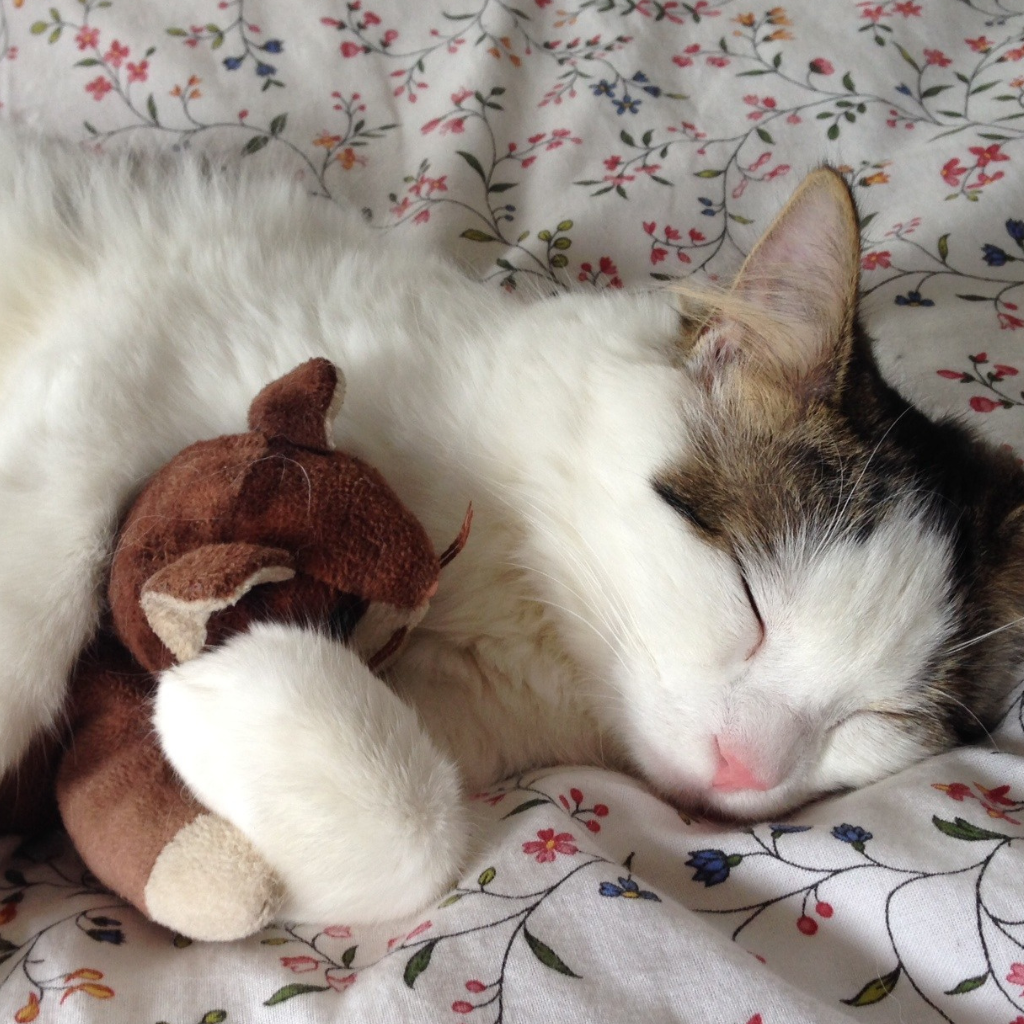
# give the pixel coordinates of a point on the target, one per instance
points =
(460, 1005)
(547, 845)
(613, 162)
(979, 403)
(600, 809)
(650, 226)
(718, 62)
(350, 49)
(138, 72)
(419, 930)
(607, 267)
(807, 925)
(1016, 975)
(820, 66)
(874, 260)
(956, 790)
(824, 910)
(657, 255)
(1009, 323)
(979, 45)
(454, 127)
(338, 931)
(460, 97)
(997, 795)
(952, 172)
(342, 983)
(116, 54)
(937, 57)
(1005, 371)
(475, 986)
(908, 9)
(681, 61)
(99, 87)
(86, 37)
(300, 964)
(671, 234)
(872, 13)
(594, 826)
(988, 154)
(950, 375)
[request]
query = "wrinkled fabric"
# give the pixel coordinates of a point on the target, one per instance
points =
(600, 144)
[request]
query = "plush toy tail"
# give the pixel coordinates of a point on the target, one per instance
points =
(134, 824)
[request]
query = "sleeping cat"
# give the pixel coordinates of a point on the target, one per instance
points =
(714, 549)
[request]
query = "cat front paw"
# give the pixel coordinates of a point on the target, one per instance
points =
(286, 734)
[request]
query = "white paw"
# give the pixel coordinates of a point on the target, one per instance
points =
(286, 734)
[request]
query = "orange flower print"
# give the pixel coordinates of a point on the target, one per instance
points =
(30, 1010)
(348, 158)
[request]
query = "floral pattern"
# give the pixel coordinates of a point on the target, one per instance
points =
(599, 144)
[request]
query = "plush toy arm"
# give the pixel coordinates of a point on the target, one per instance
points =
(179, 599)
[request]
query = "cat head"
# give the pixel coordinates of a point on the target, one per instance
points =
(821, 585)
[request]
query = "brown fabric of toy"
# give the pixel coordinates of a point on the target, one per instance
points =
(120, 800)
(348, 537)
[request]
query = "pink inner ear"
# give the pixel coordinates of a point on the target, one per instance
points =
(805, 236)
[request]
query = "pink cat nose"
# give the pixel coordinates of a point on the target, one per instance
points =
(733, 775)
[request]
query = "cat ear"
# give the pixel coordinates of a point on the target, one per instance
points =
(787, 322)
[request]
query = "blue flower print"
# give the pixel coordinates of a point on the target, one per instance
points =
(994, 256)
(264, 69)
(603, 88)
(1015, 229)
(233, 63)
(913, 299)
(628, 889)
(644, 82)
(713, 866)
(273, 46)
(627, 103)
(852, 834)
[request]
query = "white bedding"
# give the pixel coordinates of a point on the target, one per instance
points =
(601, 143)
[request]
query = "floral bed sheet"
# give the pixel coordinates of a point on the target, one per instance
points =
(600, 144)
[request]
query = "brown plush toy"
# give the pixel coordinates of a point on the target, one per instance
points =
(271, 524)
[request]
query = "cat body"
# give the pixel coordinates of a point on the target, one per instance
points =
(719, 553)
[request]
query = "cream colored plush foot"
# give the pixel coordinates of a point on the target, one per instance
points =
(210, 883)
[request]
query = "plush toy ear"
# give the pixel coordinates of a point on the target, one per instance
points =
(787, 323)
(179, 599)
(302, 405)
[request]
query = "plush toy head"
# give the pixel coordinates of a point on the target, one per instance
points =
(271, 524)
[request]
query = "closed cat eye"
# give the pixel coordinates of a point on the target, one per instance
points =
(757, 614)
(679, 504)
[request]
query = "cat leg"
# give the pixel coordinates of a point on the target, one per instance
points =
(286, 734)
